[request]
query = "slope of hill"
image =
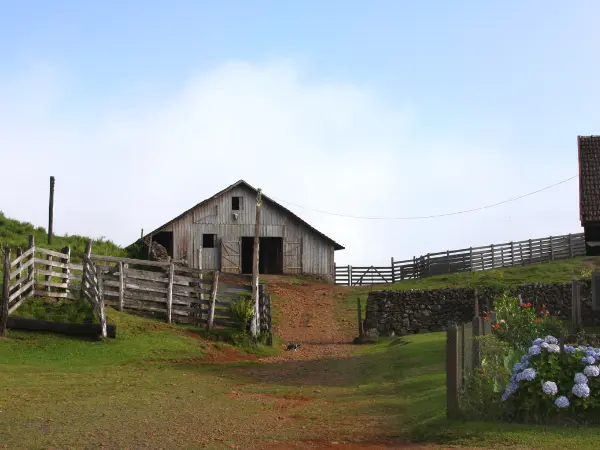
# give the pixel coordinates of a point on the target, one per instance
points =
(14, 233)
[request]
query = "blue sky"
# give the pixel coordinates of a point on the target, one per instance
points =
(495, 91)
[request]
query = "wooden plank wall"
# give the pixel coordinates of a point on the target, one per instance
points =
(472, 259)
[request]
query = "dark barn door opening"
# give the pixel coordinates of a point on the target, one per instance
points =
(270, 255)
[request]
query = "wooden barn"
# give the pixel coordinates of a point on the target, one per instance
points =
(218, 234)
(589, 191)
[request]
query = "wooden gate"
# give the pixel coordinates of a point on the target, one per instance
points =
(292, 257)
(231, 257)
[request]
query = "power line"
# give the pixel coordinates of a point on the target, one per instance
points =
(432, 216)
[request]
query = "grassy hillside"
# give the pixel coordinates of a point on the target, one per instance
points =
(16, 234)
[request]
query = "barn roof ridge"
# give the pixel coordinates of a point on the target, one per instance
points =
(264, 197)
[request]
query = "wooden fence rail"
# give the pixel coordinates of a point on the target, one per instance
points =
(471, 259)
(175, 293)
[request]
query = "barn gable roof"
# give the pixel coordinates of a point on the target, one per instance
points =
(589, 178)
(265, 198)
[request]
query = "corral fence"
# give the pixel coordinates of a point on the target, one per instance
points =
(149, 288)
(463, 351)
(471, 259)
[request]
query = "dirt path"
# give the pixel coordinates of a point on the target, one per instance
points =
(307, 316)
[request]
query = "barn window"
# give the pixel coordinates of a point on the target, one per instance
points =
(209, 240)
(236, 203)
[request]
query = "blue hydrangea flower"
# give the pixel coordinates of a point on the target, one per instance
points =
(562, 402)
(551, 340)
(534, 350)
(527, 375)
(544, 345)
(580, 378)
(591, 371)
(553, 348)
(590, 352)
(569, 349)
(550, 388)
(581, 390)
(511, 388)
(517, 368)
(505, 396)
(538, 341)
(588, 360)
(524, 359)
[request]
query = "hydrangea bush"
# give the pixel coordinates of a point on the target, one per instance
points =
(547, 381)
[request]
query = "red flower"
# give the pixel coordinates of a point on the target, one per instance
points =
(526, 305)
(481, 372)
(496, 326)
(486, 319)
(547, 313)
(538, 320)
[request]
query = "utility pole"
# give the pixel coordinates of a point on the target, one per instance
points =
(51, 211)
(255, 259)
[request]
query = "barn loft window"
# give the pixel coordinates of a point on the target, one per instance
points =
(209, 240)
(236, 203)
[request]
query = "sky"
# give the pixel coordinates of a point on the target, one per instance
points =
(388, 109)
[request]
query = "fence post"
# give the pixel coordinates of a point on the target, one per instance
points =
(170, 292)
(213, 299)
(448, 261)
(66, 271)
(393, 274)
(551, 249)
(18, 277)
(87, 253)
(428, 264)
(121, 286)
(31, 269)
(476, 297)
(512, 254)
(415, 270)
(5, 293)
(570, 246)
(493, 262)
(359, 313)
(452, 376)
(471, 258)
(349, 275)
(530, 252)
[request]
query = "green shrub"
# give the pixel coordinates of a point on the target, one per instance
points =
(519, 324)
(243, 311)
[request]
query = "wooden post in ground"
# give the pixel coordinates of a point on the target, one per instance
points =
(18, 277)
(121, 286)
(66, 271)
(255, 259)
(476, 297)
(31, 269)
(5, 293)
(170, 292)
(452, 376)
(477, 331)
(213, 300)
(87, 252)
(51, 212)
(393, 274)
(359, 313)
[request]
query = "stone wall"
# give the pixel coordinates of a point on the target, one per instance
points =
(418, 311)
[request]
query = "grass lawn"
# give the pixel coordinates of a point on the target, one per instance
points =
(152, 388)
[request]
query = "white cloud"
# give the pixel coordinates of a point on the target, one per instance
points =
(141, 160)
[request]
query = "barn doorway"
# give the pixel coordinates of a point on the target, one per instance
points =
(270, 255)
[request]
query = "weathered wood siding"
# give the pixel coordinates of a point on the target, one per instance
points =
(216, 217)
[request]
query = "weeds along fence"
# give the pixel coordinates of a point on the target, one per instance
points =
(471, 259)
(149, 288)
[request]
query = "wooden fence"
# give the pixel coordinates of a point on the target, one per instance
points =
(463, 356)
(163, 289)
(471, 259)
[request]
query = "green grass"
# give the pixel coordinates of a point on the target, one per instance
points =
(16, 234)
